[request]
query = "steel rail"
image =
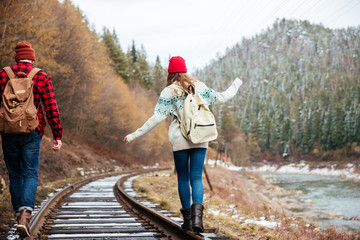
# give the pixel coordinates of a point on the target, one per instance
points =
(164, 224)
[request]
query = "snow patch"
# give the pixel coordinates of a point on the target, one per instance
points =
(217, 212)
(295, 168)
(262, 222)
(214, 212)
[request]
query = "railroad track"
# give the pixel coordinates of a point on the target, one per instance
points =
(106, 207)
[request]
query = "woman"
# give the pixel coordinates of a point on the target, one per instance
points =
(189, 158)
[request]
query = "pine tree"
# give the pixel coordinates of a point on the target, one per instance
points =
(134, 54)
(115, 52)
(159, 76)
(144, 69)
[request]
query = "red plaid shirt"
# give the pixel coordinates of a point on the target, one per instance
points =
(43, 89)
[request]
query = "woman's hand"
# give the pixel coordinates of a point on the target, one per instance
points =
(125, 140)
(238, 81)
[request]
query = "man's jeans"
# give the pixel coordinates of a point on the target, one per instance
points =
(21, 154)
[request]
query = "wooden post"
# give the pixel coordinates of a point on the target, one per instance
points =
(217, 156)
(207, 176)
(207, 179)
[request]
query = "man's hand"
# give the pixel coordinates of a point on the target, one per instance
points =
(57, 145)
(126, 141)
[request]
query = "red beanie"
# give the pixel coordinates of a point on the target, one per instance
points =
(24, 51)
(177, 65)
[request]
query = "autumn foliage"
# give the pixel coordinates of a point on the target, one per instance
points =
(97, 107)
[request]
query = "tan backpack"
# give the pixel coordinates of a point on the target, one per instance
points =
(198, 124)
(18, 113)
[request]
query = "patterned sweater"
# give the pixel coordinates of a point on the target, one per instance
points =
(172, 102)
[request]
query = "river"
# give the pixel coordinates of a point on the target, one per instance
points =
(332, 199)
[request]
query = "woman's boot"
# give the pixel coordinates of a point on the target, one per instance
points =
(186, 212)
(197, 217)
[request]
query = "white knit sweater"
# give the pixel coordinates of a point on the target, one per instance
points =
(172, 102)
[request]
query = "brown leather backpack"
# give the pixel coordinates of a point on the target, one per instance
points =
(18, 113)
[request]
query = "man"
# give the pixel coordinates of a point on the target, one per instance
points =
(21, 151)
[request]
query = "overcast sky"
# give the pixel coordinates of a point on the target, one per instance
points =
(198, 30)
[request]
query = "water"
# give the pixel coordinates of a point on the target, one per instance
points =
(333, 199)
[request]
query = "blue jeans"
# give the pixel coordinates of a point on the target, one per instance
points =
(189, 164)
(21, 154)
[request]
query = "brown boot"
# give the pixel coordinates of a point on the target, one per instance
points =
(23, 227)
(197, 217)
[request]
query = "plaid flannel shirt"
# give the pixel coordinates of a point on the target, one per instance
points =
(44, 91)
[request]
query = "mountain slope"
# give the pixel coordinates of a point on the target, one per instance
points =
(302, 86)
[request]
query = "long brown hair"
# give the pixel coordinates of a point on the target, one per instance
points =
(183, 79)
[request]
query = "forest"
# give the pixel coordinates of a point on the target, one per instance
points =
(103, 92)
(301, 92)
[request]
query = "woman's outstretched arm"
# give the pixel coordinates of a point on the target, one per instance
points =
(149, 125)
(163, 109)
(230, 92)
(211, 96)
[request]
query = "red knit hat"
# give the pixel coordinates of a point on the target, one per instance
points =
(177, 65)
(24, 51)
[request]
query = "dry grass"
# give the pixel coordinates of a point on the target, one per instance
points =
(166, 193)
(6, 213)
(236, 198)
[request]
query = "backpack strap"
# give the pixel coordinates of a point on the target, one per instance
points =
(33, 72)
(9, 72)
(31, 75)
(191, 88)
